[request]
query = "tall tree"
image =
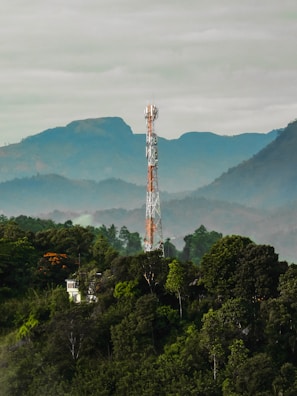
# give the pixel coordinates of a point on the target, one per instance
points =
(153, 268)
(198, 243)
(175, 282)
(211, 338)
(103, 252)
(169, 249)
(257, 273)
(112, 236)
(218, 266)
(131, 242)
(238, 356)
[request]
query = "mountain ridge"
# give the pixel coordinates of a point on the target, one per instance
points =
(267, 179)
(103, 148)
(40, 193)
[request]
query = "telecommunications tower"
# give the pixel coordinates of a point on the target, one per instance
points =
(153, 225)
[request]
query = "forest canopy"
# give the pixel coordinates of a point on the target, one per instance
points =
(217, 318)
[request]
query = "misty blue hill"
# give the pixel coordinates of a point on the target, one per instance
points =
(267, 180)
(46, 193)
(104, 148)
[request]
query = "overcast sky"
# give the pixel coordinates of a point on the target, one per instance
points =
(227, 66)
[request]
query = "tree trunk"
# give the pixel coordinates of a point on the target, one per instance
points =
(180, 305)
(214, 367)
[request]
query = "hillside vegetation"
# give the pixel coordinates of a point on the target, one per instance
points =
(276, 227)
(216, 318)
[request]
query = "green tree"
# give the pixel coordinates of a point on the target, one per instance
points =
(10, 230)
(112, 236)
(212, 340)
(59, 301)
(123, 269)
(98, 378)
(257, 273)
(219, 265)
(133, 336)
(103, 253)
(286, 381)
(17, 261)
(256, 376)
(222, 328)
(152, 267)
(175, 282)
(3, 219)
(199, 243)
(238, 356)
(279, 329)
(288, 284)
(75, 241)
(131, 242)
(126, 289)
(169, 249)
(31, 224)
(69, 338)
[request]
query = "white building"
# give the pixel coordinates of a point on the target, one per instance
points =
(73, 291)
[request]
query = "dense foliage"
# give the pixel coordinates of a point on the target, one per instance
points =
(218, 318)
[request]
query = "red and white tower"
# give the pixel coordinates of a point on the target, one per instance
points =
(153, 226)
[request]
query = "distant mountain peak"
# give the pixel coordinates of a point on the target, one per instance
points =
(91, 127)
(114, 125)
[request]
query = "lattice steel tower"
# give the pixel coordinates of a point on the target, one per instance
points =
(153, 226)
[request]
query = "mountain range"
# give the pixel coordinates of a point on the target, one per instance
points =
(99, 149)
(94, 172)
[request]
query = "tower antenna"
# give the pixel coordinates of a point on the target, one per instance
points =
(153, 225)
